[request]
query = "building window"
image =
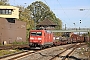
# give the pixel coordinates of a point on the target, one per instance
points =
(5, 11)
(10, 20)
(9, 11)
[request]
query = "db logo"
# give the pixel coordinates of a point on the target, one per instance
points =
(35, 38)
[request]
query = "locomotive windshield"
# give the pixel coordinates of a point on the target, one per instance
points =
(36, 33)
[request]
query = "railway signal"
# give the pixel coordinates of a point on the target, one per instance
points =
(80, 21)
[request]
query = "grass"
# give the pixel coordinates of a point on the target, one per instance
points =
(5, 52)
(19, 43)
(88, 44)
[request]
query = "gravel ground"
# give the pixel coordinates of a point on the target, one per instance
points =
(81, 53)
(45, 54)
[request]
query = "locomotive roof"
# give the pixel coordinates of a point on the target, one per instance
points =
(44, 30)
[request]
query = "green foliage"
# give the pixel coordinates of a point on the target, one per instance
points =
(19, 43)
(85, 34)
(25, 15)
(88, 44)
(4, 3)
(5, 52)
(8, 52)
(40, 11)
(88, 33)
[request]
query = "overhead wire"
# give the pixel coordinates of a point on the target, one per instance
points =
(84, 16)
(57, 15)
(64, 13)
(65, 9)
(46, 2)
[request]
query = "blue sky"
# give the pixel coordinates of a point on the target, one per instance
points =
(66, 10)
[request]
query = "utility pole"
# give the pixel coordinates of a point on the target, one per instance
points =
(74, 25)
(35, 17)
(65, 26)
(79, 27)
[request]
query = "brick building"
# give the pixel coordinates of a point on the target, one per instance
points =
(11, 30)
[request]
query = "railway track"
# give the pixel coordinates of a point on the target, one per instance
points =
(5, 47)
(61, 56)
(66, 53)
(16, 55)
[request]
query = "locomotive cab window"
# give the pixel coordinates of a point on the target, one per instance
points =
(36, 33)
(33, 33)
(39, 33)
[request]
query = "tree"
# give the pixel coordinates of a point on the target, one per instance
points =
(25, 15)
(4, 3)
(40, 11)
(58, 27)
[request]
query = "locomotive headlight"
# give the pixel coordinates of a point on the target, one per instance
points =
(31, 38)
(39, 38)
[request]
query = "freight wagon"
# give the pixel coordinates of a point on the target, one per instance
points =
(77, 38)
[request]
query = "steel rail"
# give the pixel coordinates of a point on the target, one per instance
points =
(67, 55)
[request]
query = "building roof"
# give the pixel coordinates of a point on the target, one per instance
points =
(47, 22)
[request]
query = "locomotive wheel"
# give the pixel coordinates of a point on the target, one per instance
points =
(44, 47)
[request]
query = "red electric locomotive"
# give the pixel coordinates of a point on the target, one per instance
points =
(40, 39)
